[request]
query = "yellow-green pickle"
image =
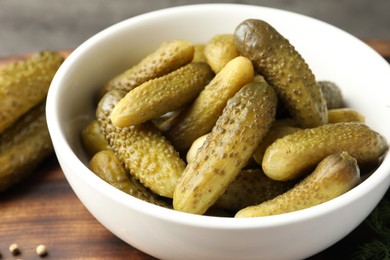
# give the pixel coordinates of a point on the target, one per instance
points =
(219, 50)
(199, 53)
(283, 159)
(273, 134)
(334, 175)
(107, 166)
(238, 131)
(166, 58)
(93, 140)
(161, 95)
(338, 115)
(25, 84)
(144, 151)
(284, 68)
(23, 147)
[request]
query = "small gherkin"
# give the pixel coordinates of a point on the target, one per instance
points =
(23, 146)
(168, 57)
(161, 95)
(283, 159)
(244, 122)
(219, 50)
(334, 175)
(144, 151)
(332, 94)
(107, 166)
(284, 68)
(338, 115)
(24, 84)
(92, 139)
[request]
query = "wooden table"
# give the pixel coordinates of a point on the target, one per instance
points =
(44, 210)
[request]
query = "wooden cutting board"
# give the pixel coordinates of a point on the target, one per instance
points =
(44, 210)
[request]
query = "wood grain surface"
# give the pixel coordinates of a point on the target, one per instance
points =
(44, 210)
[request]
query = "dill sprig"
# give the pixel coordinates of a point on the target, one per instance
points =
(379, 219)
(379, 223)
(373, 250)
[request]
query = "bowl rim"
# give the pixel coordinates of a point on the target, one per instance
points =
(58, 137)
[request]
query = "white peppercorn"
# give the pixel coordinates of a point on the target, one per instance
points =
(41, 250)
(14, 249)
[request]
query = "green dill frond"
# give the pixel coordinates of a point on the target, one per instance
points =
(379, 222)
(379, 219)
(374, 250)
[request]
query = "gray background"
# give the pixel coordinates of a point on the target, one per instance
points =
(32, 25)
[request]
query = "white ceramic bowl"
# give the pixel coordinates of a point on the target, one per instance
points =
(331, 53)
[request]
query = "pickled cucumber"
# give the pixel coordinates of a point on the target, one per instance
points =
(144, 151)
(251, 187)
(166, 58)
(334, 175)
(107, 166)
(191, 153)
(219, 50)
(245, 120)
(273, 134)
(285, 69)
(24, 84)
(92, 139)
(332, 94)
(161, 95)
(23, 147)
(283, 160)
(337, 115)
(200, 117)
(199, 53)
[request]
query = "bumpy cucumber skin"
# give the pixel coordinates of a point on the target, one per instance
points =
(251, 187)
(144, 151)
(199, 118)
(334, 175)
(165, 59)
(24, 84)
(283, 160)
(162, 95)
(245, 120)
(107, 166)
(23, 147)
(285, 69)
